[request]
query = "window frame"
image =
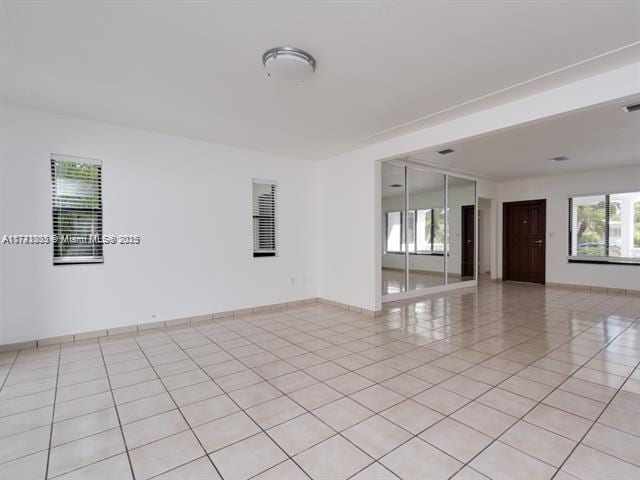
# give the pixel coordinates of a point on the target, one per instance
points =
(437, 253)
(605, 259)
(274, 186)
(97, 257)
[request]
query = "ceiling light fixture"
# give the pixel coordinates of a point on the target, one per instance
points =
(561, 158)
(446, 151)
(288, 62)
(395, 185)
(631, 108)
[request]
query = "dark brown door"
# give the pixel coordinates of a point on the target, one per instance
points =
(524, 225)
(468, 243)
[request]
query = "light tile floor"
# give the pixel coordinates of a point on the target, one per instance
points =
(509, 382)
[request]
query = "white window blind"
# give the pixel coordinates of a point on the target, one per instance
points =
(264, 218)
(76, 197)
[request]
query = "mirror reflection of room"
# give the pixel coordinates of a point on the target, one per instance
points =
(420, 229)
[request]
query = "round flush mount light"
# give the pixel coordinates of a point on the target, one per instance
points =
(289, 63)
(561, 158)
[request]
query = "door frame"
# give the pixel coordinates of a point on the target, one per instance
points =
(505, 230)
(463, 234)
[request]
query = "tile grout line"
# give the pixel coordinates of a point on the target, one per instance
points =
(580, 442)
(115, 407)
(373, 346)
(179, 410)
(521, 418)
(53, 412)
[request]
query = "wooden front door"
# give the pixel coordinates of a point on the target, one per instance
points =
(468, 241)
(523, 257)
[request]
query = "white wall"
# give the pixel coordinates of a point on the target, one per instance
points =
(350, 265)
(556, 191)
(349, 248)
(485, 234)
(189, 200)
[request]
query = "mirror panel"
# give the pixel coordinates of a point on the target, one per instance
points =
(425, 228)
(461, 195)
(393, 245)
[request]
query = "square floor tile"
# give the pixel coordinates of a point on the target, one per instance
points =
(84, 426)
(225, 431)
(165, 454)
(154, 428)
(349, 383)
(441, 400)
(484, 419)
(300, 433)
(507, 402)
(589, 464)
(406, 385)
(558, 421)
(502, 462)
(539, 443)
(333, 459)
(292, 381)
(286, 470)
(377, 398)
(377, 436)
(456, 439)
(194, 393)
(248, 458)
(248, 397)
(411, 416)
(614, 442)
(275, 412)
(315, 396)
(112, 467)
(342, 413)
(145, 407)
(25, 468)
(417, 460)
(79, 453)
(208, 410)
(200, 469)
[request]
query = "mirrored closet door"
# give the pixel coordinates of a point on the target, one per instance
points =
(428, 228)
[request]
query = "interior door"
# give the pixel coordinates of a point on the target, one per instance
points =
(468, 243)
(524, 226)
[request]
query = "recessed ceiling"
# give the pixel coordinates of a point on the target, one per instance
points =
(194, 68)
(593, 139)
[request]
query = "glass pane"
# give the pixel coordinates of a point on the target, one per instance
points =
(461, 229)
(426, 198)
(393, 266)
(624, 225)
(588, 221)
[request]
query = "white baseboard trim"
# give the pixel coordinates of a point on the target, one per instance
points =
(178, 322)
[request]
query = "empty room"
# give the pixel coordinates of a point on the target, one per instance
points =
(275, 240)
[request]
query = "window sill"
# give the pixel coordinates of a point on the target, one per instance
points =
(604, 262)
(427, 254)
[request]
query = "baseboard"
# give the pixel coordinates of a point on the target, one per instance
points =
(593, 288)
(178, 322)
(587, 288)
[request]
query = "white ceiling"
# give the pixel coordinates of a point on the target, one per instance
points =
(593, 139)
(194, 68)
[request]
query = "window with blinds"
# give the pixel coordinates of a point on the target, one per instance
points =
(76, 196)
(604, 228)
(264, 218)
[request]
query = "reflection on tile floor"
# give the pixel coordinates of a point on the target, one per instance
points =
(393, 280)
(510, 382)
